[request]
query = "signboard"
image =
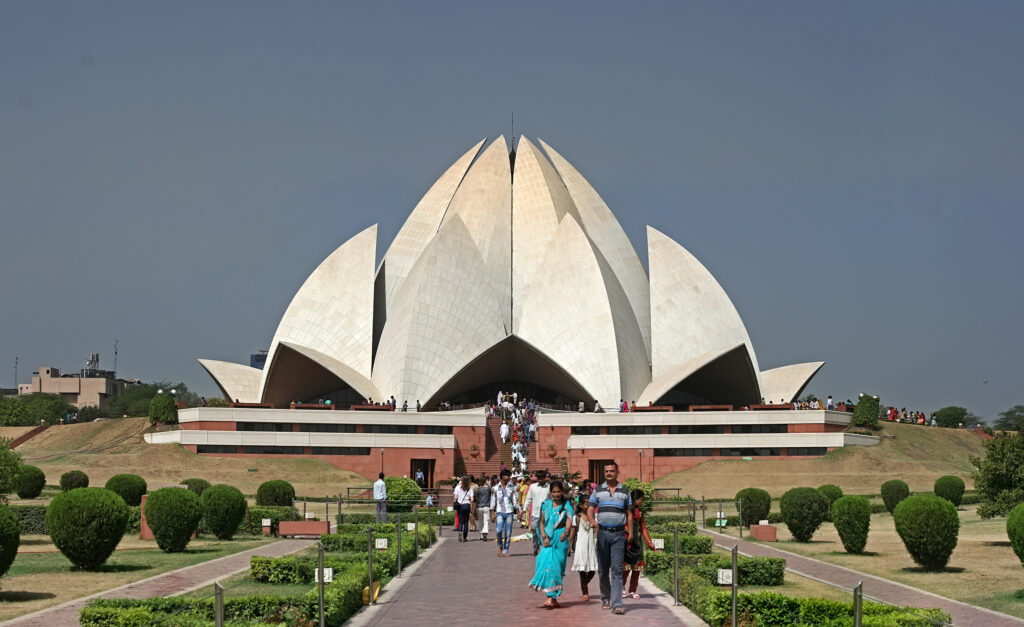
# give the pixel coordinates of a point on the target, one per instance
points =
(659, 543)
(328, 575)
(763, 522)
(450, 508)
(382, 543)
(725, 576)
(267, 522)
(310, 515)
(411, 526)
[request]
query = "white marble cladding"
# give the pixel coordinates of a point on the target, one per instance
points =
(722, 440)
(328, 416)
(787, 382)
(271, 438)
(642, 418)
(237, 381)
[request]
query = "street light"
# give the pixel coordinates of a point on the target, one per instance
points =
(640, 454)
(382, 460)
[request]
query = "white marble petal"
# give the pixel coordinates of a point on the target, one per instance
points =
(236, 381)
(447, 313)
(786, 382)
(604, 230)
(690, 312)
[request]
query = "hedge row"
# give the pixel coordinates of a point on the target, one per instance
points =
(256, 515)
(32, 519)
(753, 571)
(425, 517)
(356, 540)
(684, 527)
(295, 569)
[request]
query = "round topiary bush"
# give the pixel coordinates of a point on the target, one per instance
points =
(950, 488)
(10, 537)
(928, 526)
(894, 491)
(129, 487)
(1015, 530)
(86, 525)
(803, 511)
(276, 492)
(73, 479)
(162, 409)
(831, 493)
(197, 485)
(173, 515)
(852, 518)
(403, 493)
(30, 483)
(223, 509)
(756, 504)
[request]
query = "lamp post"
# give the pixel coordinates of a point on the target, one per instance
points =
(382, 460)
(640, 455)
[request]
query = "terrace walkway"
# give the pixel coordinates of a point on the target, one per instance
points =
(876, 588)
(165, 585)
(468, 584)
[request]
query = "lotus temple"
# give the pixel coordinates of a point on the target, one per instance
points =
(511, 274)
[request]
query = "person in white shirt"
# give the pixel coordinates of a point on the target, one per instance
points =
(535, 496)
(380, 497)
(464, 502)
(504, 503)
(504, 432)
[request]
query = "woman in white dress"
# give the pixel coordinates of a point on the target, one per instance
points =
(585, 552)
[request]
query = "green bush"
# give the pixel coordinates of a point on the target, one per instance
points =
(685, 528)
(276, 492)
(928, 526)
(223, 510)
(771, 608)
(86, 524)
(894, 491)
(755, 505)
(10, 538)
(950, 488)
(998, 479)
(129, 487)
(173, 515)
(73, 479)
(31, 518)
(648, 490)
(866, 413)
(162, 409)
(1015, 530)
(852, 518)
(753, 571)
(403, 493)
(803, 510)
(831, 493)
(249, 611)
(197, 485)
(31, 481)
(295, 569)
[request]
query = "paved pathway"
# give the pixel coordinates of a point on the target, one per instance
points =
(463, 584)
(875, 588)
(167, 584)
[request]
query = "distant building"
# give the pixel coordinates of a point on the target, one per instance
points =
(91, 387)
(258, 360)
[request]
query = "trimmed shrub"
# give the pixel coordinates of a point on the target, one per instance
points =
(894, 491)
(173, 515)
(163, 410)
(31, 518)
(403, 493)
(648, 490)
(928, 526)
(831, 493)
(866, 413)
(756, 504)
(803, 510)
(198, 485)
(276, 492)
(950, 488)
(73, 479)
(86, 524)
(223, 510)
(10, 538)
(685, 528)
(852, 518)
(129, 487)
(31, 481)
(1015, 530)
(296, 569)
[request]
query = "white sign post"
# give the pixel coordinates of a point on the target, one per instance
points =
(659, 543)
(382, 543)
(410, 526)
(267, 522)
(725, 576)
(328, 575)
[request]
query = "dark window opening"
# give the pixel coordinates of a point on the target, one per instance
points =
(683, 452)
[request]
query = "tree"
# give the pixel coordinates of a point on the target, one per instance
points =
(1011, 420)
(952, 417)
(999, 478)
(162, 409)
(134, 400)
(10, 467)
(13, 413)
(867, 411)
(47, 408)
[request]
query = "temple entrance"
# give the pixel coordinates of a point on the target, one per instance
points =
(427, 467)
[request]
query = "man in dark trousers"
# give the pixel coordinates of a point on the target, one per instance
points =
(614, 522)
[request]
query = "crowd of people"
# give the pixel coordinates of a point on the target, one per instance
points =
(602, 527)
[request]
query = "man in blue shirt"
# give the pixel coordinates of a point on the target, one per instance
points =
(614, 522)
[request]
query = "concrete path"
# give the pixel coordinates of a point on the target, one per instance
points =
(875, 588)
(468, 584)
(165, 585)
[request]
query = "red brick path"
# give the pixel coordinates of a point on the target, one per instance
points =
(468, 584)
(875, 588)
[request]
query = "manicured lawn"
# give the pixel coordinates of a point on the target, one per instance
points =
(40, 578)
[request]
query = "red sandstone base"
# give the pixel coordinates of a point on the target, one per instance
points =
(764, 533)
(310, 528)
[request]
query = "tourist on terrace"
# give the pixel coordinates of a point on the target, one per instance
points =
(555, 528)
(609, 510)
(464, 505)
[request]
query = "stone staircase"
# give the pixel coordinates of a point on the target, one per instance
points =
(495, 453)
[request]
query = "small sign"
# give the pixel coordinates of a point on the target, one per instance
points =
(382, 543)
(762, 522)
(267, 522)
(310, 515)
(411, 526)
(328, 575)
(725, 576)
(450, 508)
(659, 543)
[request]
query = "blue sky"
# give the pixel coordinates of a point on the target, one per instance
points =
(850, 172)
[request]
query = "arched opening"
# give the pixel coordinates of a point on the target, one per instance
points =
(295, 377)
(512, 365)
(728, 380)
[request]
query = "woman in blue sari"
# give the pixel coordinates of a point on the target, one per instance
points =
(556, 532)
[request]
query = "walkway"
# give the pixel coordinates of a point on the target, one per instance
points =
(876, 588)
(165, 585)
(463, 584)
